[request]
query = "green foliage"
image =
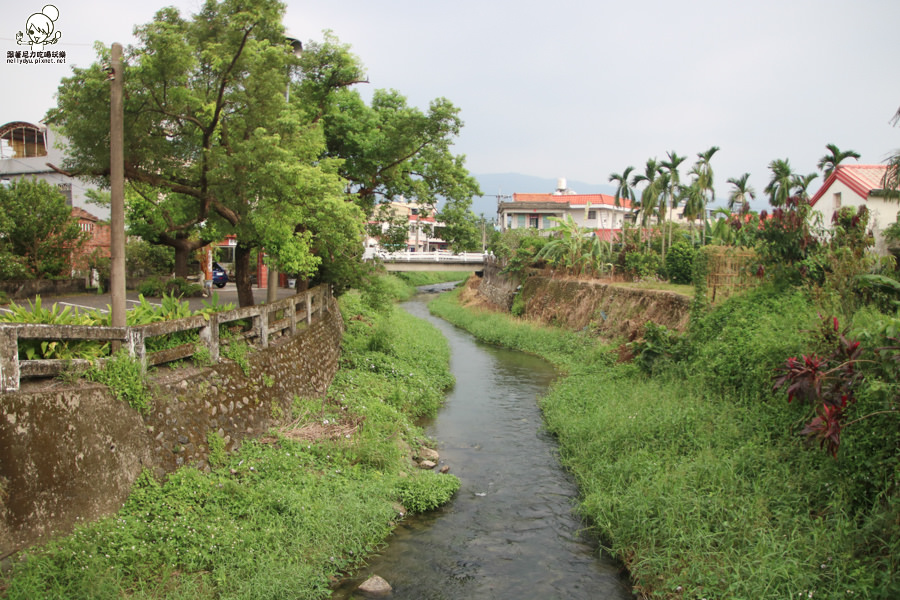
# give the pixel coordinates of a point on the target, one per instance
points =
(216, 445)
(657, 345)
(55, 315)
(143, 259)
(124, 377)
(643, 265)
(155, 287)
(424, 491)
(238, 351)
(37, 231)
(519, 248)
(680, 262)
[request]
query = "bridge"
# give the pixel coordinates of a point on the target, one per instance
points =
(428, 261)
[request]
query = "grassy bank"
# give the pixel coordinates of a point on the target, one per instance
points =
(288, 512)
(696, 477)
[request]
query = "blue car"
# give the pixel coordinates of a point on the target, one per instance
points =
(220, 277)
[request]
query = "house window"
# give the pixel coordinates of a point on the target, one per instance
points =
(592, 214)
(66, 190)
(520, 221)
(533, 221)
(837, 201)
(509, 221)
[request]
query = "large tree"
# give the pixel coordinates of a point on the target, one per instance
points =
(391, 150)
(210, 137)
(38, 233)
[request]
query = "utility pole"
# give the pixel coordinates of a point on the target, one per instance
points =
(117, 190)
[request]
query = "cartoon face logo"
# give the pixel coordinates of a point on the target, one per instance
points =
(39, 29)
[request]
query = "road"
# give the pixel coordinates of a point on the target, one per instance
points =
(89, 300)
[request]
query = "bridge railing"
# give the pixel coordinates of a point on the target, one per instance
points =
(284, 316)
(424, 257)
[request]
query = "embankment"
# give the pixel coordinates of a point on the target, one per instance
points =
(70, 454)
(608, 311)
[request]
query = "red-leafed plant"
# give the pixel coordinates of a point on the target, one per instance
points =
(824, 382)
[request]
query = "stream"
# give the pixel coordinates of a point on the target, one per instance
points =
(510, 532)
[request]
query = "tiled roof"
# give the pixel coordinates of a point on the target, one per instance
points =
(80, 213)
(573, 199)
(862, 179)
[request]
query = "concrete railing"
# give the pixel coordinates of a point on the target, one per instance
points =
(286, 315)
(437, 256)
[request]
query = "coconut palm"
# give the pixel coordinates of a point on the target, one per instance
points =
(671, 189)
(828, 163)
(624, 190)
(742, 193)
(706, 181)
(779, 187)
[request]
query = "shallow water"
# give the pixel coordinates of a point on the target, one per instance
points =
(510, 531)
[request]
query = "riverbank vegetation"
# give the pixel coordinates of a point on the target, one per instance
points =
(704, 481)
(287, 513)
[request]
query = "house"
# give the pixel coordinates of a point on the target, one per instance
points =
(594, 211)
(25, 150)
(420, 222)
(854, 186)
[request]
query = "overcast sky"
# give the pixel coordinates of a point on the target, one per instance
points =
(579, 89)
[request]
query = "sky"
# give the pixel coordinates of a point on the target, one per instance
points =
(578, 89)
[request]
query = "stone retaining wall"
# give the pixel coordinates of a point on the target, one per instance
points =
(70, 455)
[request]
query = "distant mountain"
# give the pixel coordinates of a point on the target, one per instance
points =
(505, 184)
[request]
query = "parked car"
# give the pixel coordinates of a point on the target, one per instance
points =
(220, 277)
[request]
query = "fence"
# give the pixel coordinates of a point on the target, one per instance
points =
(728, 272)
(266, 320)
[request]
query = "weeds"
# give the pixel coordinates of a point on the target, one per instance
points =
(124, 377)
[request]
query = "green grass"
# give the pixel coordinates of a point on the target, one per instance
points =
(697, 479)
(280, 518)
(684, 290)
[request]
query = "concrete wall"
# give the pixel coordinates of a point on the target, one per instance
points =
(70, 455)
(18, 289)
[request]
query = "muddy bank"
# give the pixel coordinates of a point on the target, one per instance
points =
(609, 311)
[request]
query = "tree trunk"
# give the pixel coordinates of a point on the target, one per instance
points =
(242, 275)
(183, 248)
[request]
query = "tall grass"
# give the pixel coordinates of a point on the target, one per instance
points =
(285, 514)
(696, 478)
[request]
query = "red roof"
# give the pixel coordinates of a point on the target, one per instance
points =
(862, 179)
(83, 215)
(573, 199)
(608, 235)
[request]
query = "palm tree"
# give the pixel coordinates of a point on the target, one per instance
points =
(741, 192)
(828, 163)
(800, 183)
(624, 190)
(694, 200)
(706, 181)
(779, 188)
(650, 193)
(673, 183)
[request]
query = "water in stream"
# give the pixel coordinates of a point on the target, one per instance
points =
(509, 533)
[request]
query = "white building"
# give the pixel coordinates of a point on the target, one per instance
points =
(854, 186)
(421, 223)
(597, 212)
(25, 150)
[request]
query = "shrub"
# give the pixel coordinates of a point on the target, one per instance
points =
(143, 259)
(124, 377)
(679, 262)
(642, 265)
(156, 287)
(424, 491)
